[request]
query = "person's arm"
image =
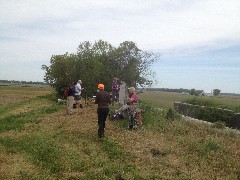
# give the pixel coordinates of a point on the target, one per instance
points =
(96, 99)
(109, 99)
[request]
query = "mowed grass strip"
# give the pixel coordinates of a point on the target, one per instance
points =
(16, 122)
(89, 158)
(25, 106)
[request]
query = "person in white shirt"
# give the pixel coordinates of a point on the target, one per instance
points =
(77, 96)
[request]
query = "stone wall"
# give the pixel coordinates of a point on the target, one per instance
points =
(210, 114)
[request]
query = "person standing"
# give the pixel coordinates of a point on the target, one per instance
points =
(77, 96)
(132, 101)
(70, 98)
(115, 90)
(103, 100)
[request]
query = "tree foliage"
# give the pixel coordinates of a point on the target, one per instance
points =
(100, 62)
(216, 92)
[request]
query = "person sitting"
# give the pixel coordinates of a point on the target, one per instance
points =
(130, 108)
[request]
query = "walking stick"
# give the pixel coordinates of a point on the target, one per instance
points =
(85, 95)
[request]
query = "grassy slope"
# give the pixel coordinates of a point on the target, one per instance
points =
(39, 141)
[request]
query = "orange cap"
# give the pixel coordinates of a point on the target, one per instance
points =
(100, 86)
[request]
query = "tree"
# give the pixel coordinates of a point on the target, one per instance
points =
(100, 62)
(59, 74)
(216, 92)
(193, 92)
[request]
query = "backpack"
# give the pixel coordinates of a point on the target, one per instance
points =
(65, 93)
(71, 90)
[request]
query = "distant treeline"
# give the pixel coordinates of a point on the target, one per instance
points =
(181, 90)
(187, 91)
(22, 82)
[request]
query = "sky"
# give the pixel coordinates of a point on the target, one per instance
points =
(199, 41)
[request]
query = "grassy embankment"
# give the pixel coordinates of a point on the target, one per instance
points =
(39, 141)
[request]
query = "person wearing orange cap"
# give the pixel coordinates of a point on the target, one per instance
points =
(103, 100)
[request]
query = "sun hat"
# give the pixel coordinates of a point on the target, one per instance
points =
(131, 89)
(100, 86)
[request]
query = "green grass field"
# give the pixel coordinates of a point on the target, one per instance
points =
(167, 99)
(38, 140)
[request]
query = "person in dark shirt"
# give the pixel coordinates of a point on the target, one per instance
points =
(103, 100)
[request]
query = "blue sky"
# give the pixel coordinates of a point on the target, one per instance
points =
(199, 41)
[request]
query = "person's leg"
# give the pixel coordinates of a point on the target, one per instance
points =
(134, 112)
(134, 120)
(70, 104)
(75, 102)
(80, 102)
(130, 117)
(105, 114)
(102, 116)
(100, 123)
(117, 96)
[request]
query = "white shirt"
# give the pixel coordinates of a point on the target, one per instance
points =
(78, 89)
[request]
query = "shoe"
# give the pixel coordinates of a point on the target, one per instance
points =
(130, 127)
(101, 135)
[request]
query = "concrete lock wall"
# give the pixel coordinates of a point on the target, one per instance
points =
(209, 114)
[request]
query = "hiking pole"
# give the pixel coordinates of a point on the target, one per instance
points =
(140, 91)
(85, 95)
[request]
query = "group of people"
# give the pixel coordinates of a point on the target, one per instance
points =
(103, 100)
(74, 96)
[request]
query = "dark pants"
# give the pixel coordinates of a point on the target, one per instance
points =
(115, 96)
(102, 116)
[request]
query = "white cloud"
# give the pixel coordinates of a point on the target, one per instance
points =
(152, 24)
(32, 31)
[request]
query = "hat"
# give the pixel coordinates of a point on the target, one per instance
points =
(131, 89)
(100, 86)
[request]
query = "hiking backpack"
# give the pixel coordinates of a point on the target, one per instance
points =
(65, 93)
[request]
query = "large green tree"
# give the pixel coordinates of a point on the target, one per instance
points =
(60, 73)
(100, 62)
